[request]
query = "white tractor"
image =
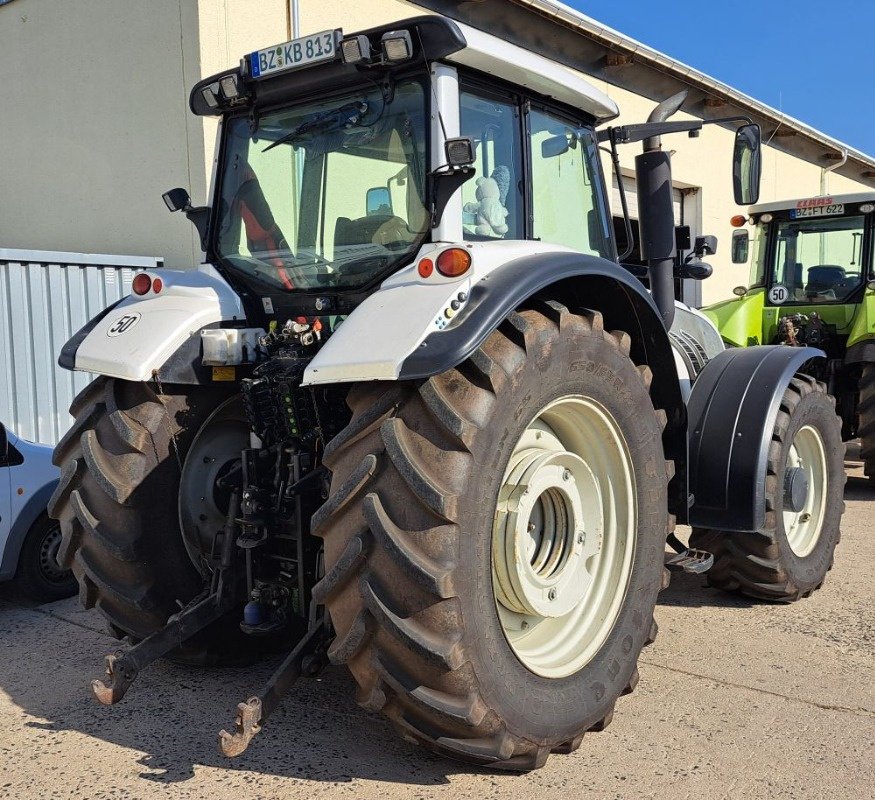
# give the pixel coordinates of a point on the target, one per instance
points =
(412, 415)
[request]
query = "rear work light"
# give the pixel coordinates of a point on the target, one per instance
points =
(397, 46)
(355, 49)
(453, 262)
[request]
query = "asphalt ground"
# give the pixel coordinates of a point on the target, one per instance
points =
(736, 700)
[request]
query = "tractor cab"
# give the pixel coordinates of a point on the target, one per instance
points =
(811, 263)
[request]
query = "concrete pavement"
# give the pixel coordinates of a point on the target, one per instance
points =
(736, 700)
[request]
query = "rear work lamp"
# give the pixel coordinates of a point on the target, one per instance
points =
(230, 87)
(397, 46)
(355, 49)
(211, 95)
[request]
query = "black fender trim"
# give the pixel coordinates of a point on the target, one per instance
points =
(493, 298)
(861, 352)
(732, 412)
(30, 513)
(580, 282)
(67, 358)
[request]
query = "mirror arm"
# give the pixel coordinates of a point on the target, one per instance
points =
(627, 134)
(199, 217)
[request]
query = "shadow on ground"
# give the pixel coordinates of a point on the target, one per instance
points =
(170, 718)
(169, 721)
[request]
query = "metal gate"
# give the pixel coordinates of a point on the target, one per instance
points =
(45, 297)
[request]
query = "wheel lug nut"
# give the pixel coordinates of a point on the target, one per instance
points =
(551, 595)
(566, 475)
(524, 624)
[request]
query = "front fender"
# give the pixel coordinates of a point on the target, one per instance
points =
(137, 336)
(732, 413)
(740, 319)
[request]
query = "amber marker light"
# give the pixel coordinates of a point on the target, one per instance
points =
(141, 283)
(454, 262)
(738, 220)
(426, 267)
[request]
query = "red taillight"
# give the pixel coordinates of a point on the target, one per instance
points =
(454, 262)
(157, 285)
(426, 267)
(738, 220)
(141, 283)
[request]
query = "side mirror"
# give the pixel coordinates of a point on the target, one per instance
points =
(555, 146)
(176, 199)
(740, 247)
(746, 165)
(378, 202)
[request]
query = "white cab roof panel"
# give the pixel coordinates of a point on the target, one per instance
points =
(516, 65)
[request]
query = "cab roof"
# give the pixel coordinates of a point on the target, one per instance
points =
(821, 200)
(434, 38)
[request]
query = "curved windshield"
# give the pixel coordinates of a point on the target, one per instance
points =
(326, 195)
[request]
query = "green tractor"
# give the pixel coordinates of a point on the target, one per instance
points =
(812, 285)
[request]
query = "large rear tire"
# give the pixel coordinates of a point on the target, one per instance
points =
(866, 426)
(117, 503)
(789, 558)
(422, 516)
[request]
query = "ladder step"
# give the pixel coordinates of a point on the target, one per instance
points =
(693, 561)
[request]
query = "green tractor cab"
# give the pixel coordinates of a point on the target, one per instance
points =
(812, 284)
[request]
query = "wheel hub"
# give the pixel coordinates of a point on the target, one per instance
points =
(541, 546)
(564, 536)
(795, 488)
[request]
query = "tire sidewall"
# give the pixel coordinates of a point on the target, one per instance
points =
(557, 709)
(807, 572)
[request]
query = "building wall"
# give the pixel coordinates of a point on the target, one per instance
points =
(88, 147)
(91, 139)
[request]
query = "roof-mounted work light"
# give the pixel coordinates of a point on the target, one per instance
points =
(231, 87)
(211, 95)
(355, 49)
(397, 46)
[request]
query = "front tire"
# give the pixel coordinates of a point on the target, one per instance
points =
(420, 478)
(789, 558)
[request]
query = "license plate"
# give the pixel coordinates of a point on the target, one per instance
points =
(818, 211)
(296, 53)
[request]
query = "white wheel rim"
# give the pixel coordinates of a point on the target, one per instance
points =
(803, 527)
(564, 536)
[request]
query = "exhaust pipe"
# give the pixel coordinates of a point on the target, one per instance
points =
(656, 212)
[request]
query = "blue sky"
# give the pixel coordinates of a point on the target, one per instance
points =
(814, 60)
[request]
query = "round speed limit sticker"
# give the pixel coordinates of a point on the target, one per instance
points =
(778, 294)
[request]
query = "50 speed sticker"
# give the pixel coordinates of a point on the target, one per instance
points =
(778, 294)
(123, 324)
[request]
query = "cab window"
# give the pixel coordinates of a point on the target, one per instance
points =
(493, 201)
(567, 203)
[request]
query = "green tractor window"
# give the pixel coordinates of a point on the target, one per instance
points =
(819, 261)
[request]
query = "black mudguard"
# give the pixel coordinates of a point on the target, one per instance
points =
(732, 412)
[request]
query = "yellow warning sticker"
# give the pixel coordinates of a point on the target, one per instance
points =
(224, 373)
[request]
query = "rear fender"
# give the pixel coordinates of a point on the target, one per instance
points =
(137, 336)
(384, 339)
(732, 412)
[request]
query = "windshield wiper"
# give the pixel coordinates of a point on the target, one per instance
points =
(344, 116)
